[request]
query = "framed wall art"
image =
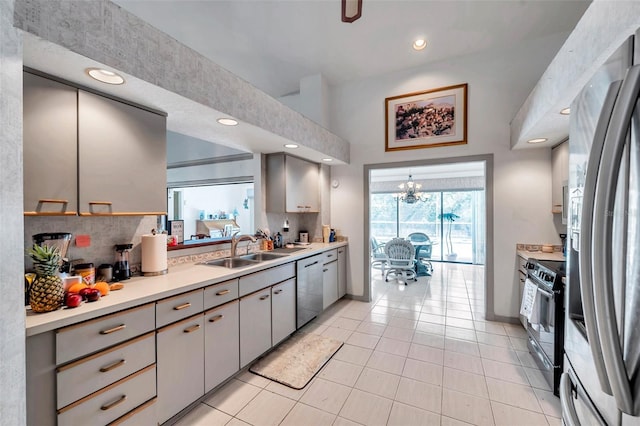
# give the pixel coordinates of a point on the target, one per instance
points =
(428, 119)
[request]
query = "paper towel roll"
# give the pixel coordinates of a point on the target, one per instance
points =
(154, 254)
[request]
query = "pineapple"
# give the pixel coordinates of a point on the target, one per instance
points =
(47, 290)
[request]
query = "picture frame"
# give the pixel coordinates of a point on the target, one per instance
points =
(427, 119)
(176, 228)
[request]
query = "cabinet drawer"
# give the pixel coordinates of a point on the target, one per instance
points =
(329, 256)
(82, 339)
(85, 376)
(111, 402)
(221, 293)
(143, 415)
(178, 307)
(266, 278)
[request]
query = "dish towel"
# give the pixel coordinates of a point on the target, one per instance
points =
(530, 302)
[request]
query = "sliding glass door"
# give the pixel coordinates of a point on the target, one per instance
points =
(453, 220)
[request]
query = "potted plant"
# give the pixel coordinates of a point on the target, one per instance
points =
(450, 218)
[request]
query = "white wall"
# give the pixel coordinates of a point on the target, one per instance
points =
(12, 318)
(498, 83)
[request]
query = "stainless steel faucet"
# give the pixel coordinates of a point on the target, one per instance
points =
(235, 239)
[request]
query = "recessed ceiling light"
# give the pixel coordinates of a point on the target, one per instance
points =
(227, 121)
(290, 145)
(328, 160)
(537, 140)
(419, 44)
(565, 111)
(105, 76)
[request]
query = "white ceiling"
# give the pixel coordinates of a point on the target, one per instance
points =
(274, 43)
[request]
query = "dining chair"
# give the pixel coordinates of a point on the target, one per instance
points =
(400, 259)
(423, 245)
(378, 257)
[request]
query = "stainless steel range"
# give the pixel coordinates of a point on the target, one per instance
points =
(545, 328)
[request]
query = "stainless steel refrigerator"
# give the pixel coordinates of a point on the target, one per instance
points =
(601, 379)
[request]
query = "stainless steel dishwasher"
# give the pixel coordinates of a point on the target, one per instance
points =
(309, 288)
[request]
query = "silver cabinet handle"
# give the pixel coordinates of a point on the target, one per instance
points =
(110, 405)
(112, 366)
(223, 292)
(604, 204)
(277, 291)
(586, 238)
(114, 329)
(311, 264)
(265, 297)
(181, 307)
(569, 414)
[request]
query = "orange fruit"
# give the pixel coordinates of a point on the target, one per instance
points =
(75, 288)
(103, 287)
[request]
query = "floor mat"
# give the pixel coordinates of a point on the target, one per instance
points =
(297, 360)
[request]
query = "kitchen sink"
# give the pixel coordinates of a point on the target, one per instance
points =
(231, 262)
(262, 256)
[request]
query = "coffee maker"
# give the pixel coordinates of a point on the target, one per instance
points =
(121, 269)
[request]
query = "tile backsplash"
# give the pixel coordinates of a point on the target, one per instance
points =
(537, 247)
(105, 232)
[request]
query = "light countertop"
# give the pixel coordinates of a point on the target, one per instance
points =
(556, 255)
(140, 290)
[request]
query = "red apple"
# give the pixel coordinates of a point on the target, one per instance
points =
(73, 300)
(85, 292)
(93, 295)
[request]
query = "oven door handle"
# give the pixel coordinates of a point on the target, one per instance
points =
(546, 293)
(586, 237)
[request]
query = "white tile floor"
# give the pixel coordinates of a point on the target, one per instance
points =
(420, 354)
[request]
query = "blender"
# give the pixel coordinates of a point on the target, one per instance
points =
(61, 240)
(121, 269)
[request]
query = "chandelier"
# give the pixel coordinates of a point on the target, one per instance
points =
(410, 192)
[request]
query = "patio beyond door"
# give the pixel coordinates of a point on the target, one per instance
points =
(450, 211)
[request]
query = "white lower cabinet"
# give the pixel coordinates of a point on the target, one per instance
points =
(342, 272)
(221, 344)
(283, 310)
(180, 361)
(255, 325)
(329, 284)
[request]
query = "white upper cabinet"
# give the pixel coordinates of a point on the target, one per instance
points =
(122, 152)
(50, 147)
(293, 185)
(559, 179)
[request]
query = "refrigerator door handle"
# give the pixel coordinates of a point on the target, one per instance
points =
(602, 233)
(569, 414)
(584, 259)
